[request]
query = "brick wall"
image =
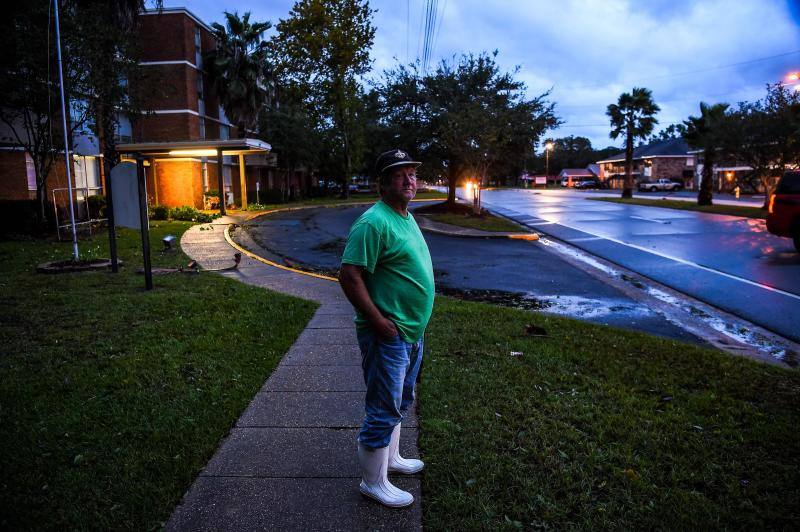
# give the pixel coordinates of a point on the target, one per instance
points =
(669, 168)
(13, 176)
(179, 183)
(162, 37)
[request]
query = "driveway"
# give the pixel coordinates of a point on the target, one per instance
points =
(729, 262)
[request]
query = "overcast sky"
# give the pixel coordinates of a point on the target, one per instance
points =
(588, 52)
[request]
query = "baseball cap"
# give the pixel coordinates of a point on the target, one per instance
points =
(392, 158)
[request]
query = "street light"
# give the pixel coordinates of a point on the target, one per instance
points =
(547, 147)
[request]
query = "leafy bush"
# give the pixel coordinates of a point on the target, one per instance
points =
(190, 214)
(97, 206)
(160, 212)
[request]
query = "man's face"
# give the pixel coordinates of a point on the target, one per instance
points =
(402, 183)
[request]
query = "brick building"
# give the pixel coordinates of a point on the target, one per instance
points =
(182, 109)
(668, 159)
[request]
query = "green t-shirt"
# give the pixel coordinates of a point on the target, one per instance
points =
(399, 272)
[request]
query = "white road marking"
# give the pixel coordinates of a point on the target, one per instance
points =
(676, 259)
(650, 220)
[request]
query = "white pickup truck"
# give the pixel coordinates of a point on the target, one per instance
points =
(659, 184)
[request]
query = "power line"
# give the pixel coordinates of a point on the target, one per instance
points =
(439, 28)
(689, 72)
(408, 24)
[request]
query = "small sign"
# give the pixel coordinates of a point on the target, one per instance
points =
(541, 180)
(125, 191)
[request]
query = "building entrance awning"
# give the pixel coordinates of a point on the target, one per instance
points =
(203, 148)
(197, 148)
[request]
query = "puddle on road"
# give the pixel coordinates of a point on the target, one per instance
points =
(335, 246)
(740, 334)
(737, 332)
(571, 306)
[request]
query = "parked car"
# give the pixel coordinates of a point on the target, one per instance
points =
(659, 184)
(783, 215)
(588, 183)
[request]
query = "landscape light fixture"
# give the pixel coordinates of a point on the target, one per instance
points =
(169, 242)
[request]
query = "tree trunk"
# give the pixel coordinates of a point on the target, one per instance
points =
(452, 183)
(41, 207)
(110, 159)
(627, 186)
(706, 179)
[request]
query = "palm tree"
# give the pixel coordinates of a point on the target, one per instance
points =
(705, 132)
(634, 116)
(239, 70)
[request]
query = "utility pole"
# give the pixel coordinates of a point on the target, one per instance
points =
(75, 254)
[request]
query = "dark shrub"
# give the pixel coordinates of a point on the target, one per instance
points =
(160, 212)
(97, 206)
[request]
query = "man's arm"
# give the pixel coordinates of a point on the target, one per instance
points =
(351, 277)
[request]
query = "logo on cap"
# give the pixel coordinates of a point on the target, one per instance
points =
(400, 154)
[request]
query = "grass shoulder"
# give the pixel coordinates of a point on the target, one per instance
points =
(732, 210)
(462, 215)
(114, 398)
(594, 427)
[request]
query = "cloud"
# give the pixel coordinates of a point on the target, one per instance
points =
(589, 52)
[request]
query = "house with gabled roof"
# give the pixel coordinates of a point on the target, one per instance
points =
(668, 159)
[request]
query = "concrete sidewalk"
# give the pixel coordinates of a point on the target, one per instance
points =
(290, 461)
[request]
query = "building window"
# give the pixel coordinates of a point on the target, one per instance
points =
(690, 161)
(202, 128)
(123, 130)
(224, 132)
(30, 169)
(198, 48)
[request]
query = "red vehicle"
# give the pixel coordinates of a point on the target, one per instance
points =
(783, 218)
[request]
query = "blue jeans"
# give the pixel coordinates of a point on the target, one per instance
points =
(390, 373)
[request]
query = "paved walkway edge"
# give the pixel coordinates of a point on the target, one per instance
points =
(289, 462)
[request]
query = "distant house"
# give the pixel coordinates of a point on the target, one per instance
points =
(573, 175)
(669, 159)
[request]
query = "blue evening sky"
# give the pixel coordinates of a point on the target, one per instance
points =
(588, 52)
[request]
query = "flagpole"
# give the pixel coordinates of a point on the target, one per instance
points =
(75, 255)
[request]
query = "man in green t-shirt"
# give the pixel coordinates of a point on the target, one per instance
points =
(388, 277)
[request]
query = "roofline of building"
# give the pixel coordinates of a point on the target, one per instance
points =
(643, 157)
(229, 146)
(177, 10)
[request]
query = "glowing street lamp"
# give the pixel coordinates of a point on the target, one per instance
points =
(548, 146)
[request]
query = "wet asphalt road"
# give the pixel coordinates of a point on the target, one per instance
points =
(730, 262)
(316, 237)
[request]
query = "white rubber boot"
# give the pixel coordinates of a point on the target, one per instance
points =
(374, 482)
(398, 464)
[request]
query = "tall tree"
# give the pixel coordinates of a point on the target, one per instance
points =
(294, 139)
(633, 116)
(30, 108)
(239, 69)
(467, 117)
(107, 36)
(323, 48)
(767, 134)
(707, 132)
(672, 131)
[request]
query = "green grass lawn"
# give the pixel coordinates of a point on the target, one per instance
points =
(487, 222)
(598, 428)
(733, 210)
(113, 398)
